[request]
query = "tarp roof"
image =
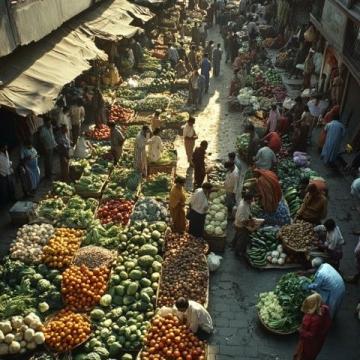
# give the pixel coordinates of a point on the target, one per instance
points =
(34, 75)
(108, 21)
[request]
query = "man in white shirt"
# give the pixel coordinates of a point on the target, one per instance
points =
(231, 184)
(198, 207)
(242, 221)
(265, 158)
(7, 187)
(333, 240)
(77, 116)
(195, 316)
(189, 136)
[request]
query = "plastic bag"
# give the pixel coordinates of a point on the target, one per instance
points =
(213, 261)
(288, 103)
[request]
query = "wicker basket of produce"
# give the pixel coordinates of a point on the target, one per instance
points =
(297, 237)
(274, 331)
(59, 341)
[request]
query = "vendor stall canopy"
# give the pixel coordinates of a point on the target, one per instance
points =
(32, 77)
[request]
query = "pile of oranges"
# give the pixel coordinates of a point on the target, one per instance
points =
(61, 248)
(66, 330)
(83, 287)
(168, 338)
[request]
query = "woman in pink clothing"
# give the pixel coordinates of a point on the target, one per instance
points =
(273, 118)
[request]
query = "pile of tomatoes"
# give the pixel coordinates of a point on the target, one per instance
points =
(120, 114)
(83, 287)
(169, 339)
(66, 330)
(115, 211)
(100, 132)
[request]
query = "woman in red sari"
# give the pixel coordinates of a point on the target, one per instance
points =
(314, 328)
(329, 116)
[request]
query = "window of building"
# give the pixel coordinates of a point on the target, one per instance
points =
(352, 44)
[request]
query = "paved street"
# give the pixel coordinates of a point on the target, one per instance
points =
(234, 287)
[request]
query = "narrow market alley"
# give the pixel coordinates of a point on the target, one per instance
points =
(234, 287)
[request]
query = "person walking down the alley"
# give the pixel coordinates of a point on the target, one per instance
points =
(189, 136)
(231, 186)
(48, 143)
(314, 328)
(329, 284)
(331, 240)
(216, 60)
(7, 185)
(29, 162)
(265, 158)
(198, 161)
(193, 58)
(335, 132)
(173, 55)
(197, 210)
(309, 68)
(195, 35)
(99, 107)
(117, 140)
(272, 121)
(242, 222)
(209, 48)
(205, 71)
(314, 206)
(194, 89)
(253, 32)
(273, 140)
(141, 141)
(334, 113)
(195, 316)
(177, 205)
(77, 117)
(64, 146)
(138, 52)
(156, 146)
(155, 121)
(233, 47)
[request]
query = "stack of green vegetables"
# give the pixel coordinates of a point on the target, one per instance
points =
(90, 184)
(123, 183)
(125, 311)
(157, 185)
(242, 144)
(63, 189)
(50, 209)
(280, 310)
(26, 288)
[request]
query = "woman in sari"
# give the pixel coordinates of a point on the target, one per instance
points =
(329, 116)
(314, 328)
(335, 132)
(177, 205)
(268, 187)
(140, 150)
(29, 159)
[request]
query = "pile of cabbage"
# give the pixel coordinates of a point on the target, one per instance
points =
(246, 97)
(276, 257)
(216, 217)
(149, 209)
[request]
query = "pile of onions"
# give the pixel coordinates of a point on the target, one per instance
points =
(178, 242)
(184, 274)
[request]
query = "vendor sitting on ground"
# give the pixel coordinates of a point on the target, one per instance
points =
(332, 241)
(329, 284)
(265, 158)
(195, 316)
(155, 146)
(320, 183)
(273, 141)
(230, 184)
(314, 206)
